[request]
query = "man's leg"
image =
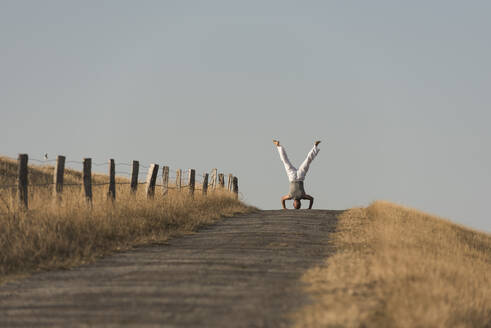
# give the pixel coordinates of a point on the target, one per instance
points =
(290, 169)
(302, 170)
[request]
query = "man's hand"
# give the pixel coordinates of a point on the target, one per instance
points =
(311, 199)
(317, 143)
(276, 142)
(283, 199)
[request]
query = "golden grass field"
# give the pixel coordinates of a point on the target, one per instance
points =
(398, 267)
(62, 234)
(391, 266)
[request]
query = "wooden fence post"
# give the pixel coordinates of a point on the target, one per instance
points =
(23, 181)
(178, 179)
(111, 193)
(205, 184)
(213, 179)
(221, 180)
(236, 187)
(134, 176)
(191, 181)
(165, 180)
(58, 176)
(151, 180)
(230, 181)
(87, 174)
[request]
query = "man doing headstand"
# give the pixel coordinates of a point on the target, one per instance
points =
(296, 177)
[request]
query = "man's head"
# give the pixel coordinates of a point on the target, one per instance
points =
(297, 204)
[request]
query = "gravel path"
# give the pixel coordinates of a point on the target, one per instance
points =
(241, 272)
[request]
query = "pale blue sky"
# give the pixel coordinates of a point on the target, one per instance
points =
(398, 91)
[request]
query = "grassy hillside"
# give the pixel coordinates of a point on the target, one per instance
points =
(55, 234)
(42, 174)
(398, 267)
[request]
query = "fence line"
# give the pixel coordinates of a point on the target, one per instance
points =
(212, 181)
(118, 173)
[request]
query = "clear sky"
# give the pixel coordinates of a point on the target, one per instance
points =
(399, 92)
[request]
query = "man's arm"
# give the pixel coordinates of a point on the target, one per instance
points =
(311, 199)
(283, 199)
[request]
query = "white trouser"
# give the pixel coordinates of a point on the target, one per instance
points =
(291, 171)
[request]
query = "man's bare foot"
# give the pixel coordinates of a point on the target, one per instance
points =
(317, 142)
(276, 142)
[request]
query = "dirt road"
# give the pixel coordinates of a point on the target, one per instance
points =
(241, 272)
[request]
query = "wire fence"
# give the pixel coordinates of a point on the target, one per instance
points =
(20, 177)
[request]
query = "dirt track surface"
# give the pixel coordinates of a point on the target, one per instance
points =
(241, 272)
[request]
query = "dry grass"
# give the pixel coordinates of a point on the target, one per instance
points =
(398, 267)
(67, 233)
(42, 174)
